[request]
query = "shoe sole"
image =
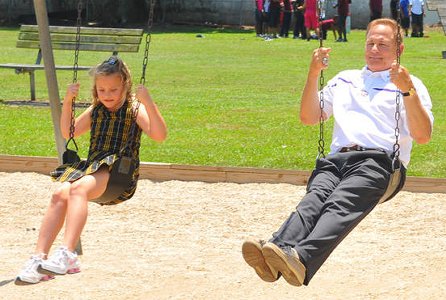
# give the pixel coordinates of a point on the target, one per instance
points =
(19, 281)
(252, 254)
(41, 270)
(293, 272)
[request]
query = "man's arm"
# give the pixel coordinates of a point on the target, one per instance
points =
(417, 118)
(309, 106)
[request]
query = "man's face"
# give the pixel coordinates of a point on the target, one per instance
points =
(380, 48)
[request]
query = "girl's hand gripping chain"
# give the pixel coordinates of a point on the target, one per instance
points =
(72, 91)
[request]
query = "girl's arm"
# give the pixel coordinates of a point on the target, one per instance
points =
(149, 118)
(82, 123)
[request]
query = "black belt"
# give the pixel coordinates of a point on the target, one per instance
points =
(357, 148)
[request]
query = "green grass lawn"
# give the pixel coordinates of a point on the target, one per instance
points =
(229, 98)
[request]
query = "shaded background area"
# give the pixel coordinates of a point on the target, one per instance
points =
(210, 12)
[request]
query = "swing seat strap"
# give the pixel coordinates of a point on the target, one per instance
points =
(70, 156)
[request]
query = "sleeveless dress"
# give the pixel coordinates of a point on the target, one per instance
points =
(109, 134)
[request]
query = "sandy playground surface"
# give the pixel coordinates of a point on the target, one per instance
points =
(182, 240)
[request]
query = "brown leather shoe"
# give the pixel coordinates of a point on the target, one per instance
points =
(252, 253)
(286, 261)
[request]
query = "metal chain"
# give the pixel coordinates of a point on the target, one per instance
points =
(130, 141)
(148, 40)
(72, 128)
(321, 142)
(396, 146)
(78, 40)
(75, 68)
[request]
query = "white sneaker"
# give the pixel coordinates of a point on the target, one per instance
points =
(60, 263)
(29, 274)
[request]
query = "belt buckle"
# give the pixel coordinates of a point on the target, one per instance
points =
(352, 148)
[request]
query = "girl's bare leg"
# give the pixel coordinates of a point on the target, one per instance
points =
(53, 220)
(86, 188)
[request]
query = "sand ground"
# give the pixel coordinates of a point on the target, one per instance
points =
(182, 240)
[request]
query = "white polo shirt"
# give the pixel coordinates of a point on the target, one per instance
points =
(363, 105)
(417, 6)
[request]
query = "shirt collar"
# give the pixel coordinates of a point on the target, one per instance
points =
(384, 75)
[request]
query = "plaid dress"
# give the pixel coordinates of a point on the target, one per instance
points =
(108, 135)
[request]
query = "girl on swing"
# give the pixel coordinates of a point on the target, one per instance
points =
(109, 120)
(349, 182)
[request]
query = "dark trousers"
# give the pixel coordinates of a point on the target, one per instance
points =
(299, 26)
(394, 9)
(259, 22)
(417, 25)
(342, 28)
(342, 190)
(286, 22)
(274, 17)
(375, 14)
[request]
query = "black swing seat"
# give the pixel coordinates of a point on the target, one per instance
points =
(121, 176)
(70, 157)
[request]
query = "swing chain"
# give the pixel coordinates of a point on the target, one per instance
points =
(396, 146)
(129, 144)
(78, 40)
(148, 40)
(72, 128)
(75, 69)
(321, 142)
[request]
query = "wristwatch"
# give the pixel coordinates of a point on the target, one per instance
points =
(410, 92)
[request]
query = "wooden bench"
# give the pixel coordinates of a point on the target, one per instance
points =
(64, 38)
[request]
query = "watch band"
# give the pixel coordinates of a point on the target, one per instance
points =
(410, 92)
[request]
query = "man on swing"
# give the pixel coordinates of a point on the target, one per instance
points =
(351, 180)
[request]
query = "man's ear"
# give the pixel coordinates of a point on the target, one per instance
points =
(401, 48)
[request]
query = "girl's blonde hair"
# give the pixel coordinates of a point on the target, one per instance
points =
(113, 65)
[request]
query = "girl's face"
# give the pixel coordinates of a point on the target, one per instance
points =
(111, 92)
